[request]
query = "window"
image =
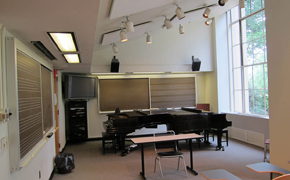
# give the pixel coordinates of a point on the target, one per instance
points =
(249, 58)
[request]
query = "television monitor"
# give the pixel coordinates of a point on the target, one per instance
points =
(80, 87)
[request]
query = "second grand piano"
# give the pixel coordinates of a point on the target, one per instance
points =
(181, 121)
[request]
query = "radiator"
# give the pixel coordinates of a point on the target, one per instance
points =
(247, 136)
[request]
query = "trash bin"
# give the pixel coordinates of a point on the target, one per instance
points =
(64, 162)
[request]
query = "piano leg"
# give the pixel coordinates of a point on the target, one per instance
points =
(206, 137)
(122, 145)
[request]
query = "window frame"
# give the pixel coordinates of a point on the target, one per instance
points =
(245, 106)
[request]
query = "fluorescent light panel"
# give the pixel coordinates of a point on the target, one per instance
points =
(72, 58)
(64, 41)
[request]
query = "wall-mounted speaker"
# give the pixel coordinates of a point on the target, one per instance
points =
(115, 65)
(195, 64)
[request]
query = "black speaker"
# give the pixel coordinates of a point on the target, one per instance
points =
(115, 65)
(195, 64)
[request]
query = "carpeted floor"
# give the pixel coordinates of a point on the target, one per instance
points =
(91, 164)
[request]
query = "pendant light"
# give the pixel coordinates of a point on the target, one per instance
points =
(208, 21)
(242, 4)
(206, 12)
(129, 25)
(181, 30)
(179, 13)
(115, 48)
(167, 23)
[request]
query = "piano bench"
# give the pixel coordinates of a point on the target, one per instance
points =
(224, 131)
(218, 174)
(108, 139)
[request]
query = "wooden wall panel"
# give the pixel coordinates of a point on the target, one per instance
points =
(172, 92)
(127, 94)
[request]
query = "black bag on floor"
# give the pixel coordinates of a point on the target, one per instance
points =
(64, 162)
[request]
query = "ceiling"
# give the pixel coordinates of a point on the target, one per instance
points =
(92, 21)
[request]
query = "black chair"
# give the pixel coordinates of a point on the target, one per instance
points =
(172, 151)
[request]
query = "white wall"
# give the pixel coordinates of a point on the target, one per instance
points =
(222, 63)
(170, 51)
(43, 161)
(278, 44)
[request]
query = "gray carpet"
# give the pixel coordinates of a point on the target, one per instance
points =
(91, 164)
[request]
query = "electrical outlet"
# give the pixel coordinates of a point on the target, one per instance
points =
(4, 144)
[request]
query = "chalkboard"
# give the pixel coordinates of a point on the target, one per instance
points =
(127, 94)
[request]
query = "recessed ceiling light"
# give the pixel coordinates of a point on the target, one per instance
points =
(72, 58)
(64, 41)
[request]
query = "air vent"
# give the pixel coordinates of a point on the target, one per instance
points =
(43, 49)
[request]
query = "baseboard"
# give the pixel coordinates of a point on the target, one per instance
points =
(52, 173)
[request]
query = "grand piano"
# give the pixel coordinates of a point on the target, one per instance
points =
(185, 120)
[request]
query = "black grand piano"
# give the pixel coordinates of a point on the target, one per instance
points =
(185, 120)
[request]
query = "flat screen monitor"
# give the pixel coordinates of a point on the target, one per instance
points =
(80, 87)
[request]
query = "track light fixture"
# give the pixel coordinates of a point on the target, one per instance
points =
(123, 34)
(129, 25)
(208, 21)
(242, 3)
(167, 23)
(181, 30)
(206, 12)
(179, 12)
(222, 2)
(148, 39)
(115, 48)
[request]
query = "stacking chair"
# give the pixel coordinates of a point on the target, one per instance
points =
(267, 142)
(171, 151)
(204, 106)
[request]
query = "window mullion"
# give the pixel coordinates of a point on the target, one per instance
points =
(242, 64)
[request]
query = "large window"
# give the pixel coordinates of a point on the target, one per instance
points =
(249, 58)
